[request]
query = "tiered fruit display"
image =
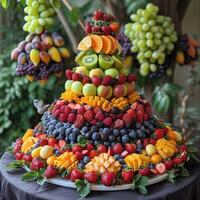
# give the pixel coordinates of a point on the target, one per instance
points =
(100, 130)
(40, 56)
(153, 38)
(187, 50)
(39, 15)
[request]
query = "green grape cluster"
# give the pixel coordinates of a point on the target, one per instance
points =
(39, 15)
(152, 36)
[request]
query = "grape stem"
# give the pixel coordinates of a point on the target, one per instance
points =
(69, 7)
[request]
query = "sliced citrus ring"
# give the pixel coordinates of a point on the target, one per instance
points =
(85, 43)
(114, 45)
(106, 44)
(97, 43)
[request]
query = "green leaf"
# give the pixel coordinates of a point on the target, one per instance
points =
(82, 141)
(9, 149)
(65, 173)
(142, 189)
(30, 176)
(83, 187)
(17, 164)
(143, 181)
(5, 3)
(184, 172)
(171, 176)
(41, 180)
(133, 185)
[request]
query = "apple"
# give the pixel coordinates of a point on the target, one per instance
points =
(150, 149)
(119, 90)
(112, 72)
(96, 72)
(76, 87)
(104, 91)
(124, 72)
(68, 84)
(82, 70)
(130, 87)
(89, 90)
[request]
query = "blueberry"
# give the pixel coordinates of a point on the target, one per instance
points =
(67, 139)
(74, 111)
(58, 125)
(137, 125)
(51, 128)
(88, 135)
(140, 134)
(132, 134)
(66, 125)
(125, 138)
(55, 133)
(99, 124)
(125, 166)
(106, 143)
(72, 137)
(84, 129)
(61, 131)
(121, 161)
(116, 132)
(151, 166)
(94, 128)
(104, 137)
(86, 159)
(101, 130)
(37, 145)
(118, 139)
(97, 142)
(147, 131)
(123, 131)
(138, 150)
(111, 138)
(57, 152)
(106, 131)
(72, 142)
(96, 136)
(81, 165)
(139, 146)
(76, 131)
(143, 129)
(117, 156)
(68, 131)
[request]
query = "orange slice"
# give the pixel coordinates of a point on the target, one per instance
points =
(106, 44)
(97, 43)
(114, 45)
(85, 43)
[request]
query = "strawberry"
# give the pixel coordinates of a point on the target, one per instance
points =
(148, 111)
(139, 117)
(184, 156)
(90, 147)
(19, 141)
(145, 172)
(81, 110)
(118, 124)
(76, 148)
(177, 160)
(145, 117)
(27, 158)
(108, 178)
(158, 134)
(110, 152)
(88, 115)
(50, 172)
(76, 76)
(62, 108)
(140, 107)
(121, 79)
(52, 141)
(93, 153)
(43, 142)
(56, 113)
(183, 148)
(160, 168)
(106, 30)
(127, 176)
(97, 109)
(130, 148)
(91, 177)
(79, 122)
(36, 164)
(71, 117)
(169, 164)
(61, 143)
(152, 141)
(93, 122)
(63, 117)
(131, 77)
(88, 28)
(67, 110)
(85, 152)
(117, 148)
(79, 155)
(98, 15)
(76, 174)
(86, 79)
(96, 80)
(68, 74)
(102, 148)
(108, 121)
(107, 80)
(165, 130)
(145, 142)
(16, 148)
(131, 112)
(19, 156)
(127, 118)
(99, 116)
(96, 29)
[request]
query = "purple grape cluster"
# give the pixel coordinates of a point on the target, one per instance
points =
(42, 71)
(125, 43)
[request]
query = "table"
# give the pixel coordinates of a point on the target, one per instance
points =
(12, 188)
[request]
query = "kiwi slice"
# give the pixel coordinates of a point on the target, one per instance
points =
(118, 62)
(105, 61)
(79, 57)
(90, 61)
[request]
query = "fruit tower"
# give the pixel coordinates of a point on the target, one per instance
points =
(100, 130)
